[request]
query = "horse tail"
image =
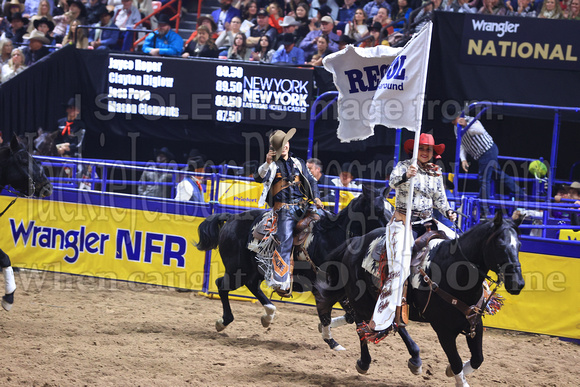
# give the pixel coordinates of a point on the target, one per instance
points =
(209, 231)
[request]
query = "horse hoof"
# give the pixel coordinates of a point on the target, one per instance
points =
(8, 301)
(219, 325)
(360, 368)
(415, 369)
(449, 372)
(334, 345)
(268, 317)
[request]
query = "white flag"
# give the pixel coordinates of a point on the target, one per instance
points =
(357, 73)
(398, 101)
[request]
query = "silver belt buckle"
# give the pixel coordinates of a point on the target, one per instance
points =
(425, 214)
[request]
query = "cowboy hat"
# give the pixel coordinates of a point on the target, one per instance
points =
(164, 150)
(8, 6)
(43, 20)
(81, 6)
(289, 21)
(574, 185)
(278, 139)
(17, 16)
(164, 19)
(203, 18)
(37, 35)
(425, 139)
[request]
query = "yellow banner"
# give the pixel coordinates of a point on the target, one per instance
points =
(548, 304)
(106, 242)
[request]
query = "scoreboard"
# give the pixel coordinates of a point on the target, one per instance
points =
(217, 90)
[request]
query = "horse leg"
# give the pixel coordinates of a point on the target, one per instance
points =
(227, 316)
(415, 363)
(447, 341)
(9, 283)
(324, 308)
(364, 362)
(253, 286)
(475, 345)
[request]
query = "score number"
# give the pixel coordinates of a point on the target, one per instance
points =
(228, 116)
(230, 101)
(229, 71)
(228, 86)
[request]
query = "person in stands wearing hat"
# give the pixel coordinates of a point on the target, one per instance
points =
(17, 28)
(478, 144)
(164, 41)
(190, 189)
(14, 66)
(163, 157)
(288, 185)
(78, 10)
(94, 10)
(10, 8)
(261, 28)
(429, 193)
(102, 39)
(43, 25)
(44, 12)
(223, 16)
(374, 38)
(289, 26)
(36, 49)
(309, 44)
(69, 128)
(573, 193)
(288, 53)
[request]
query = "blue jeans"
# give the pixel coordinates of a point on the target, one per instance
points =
(488, 169)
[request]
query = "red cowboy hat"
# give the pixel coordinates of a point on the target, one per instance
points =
(425, 139)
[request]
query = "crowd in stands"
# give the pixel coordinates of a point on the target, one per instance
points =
(267, 31)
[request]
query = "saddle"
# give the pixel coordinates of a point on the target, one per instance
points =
(303, 228)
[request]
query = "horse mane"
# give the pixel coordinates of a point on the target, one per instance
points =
(330, 220)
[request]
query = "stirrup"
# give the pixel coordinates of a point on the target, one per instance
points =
(366, 333)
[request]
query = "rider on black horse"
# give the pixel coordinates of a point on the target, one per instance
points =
(288, 186)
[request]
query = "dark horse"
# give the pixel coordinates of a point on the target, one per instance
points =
(21, 172)
(364, 213)
(458, 266)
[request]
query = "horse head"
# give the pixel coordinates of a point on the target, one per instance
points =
(22, 172)
(44, 143)
(501, 250)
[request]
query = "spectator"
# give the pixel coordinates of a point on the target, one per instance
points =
(190, 189)
(202, 46)
(223, 16)
(207, 21)
(163, 157)
(146, 8)
(5, 51)
(10, 8)
(460, 6)
(263, 52)
(61, 23)
(383, 16)
(94, 10)
(17, 28)
(357, 27)
(315, 167)
(375, 36)
(249, 17)
(44, 12)
(328, 7)
(480, 146)
(163, 41)
(276, 16)
(261, 28)
(289, 26)
(69, 138)
(373, 6)
(573, 192)
(291, 6)
(45, 26)
(306, 25)
(525, 8)
(403, 11)
(226, 38)
(346, 179)
(323, 50)
(574, 12)
(36, 49)
(14, 66)
(126, 16)
(551, 10)
(288, 53)
(104, 39)
(347, 11)
(239, 50)
(309, 42)
(78, 10)
(493, 7)
(34, 7)
(76, 36)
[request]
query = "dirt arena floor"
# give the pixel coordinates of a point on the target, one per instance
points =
(73, 331)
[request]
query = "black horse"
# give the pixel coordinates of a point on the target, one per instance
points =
(21, 172)
(458, 267)
(364, 213)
